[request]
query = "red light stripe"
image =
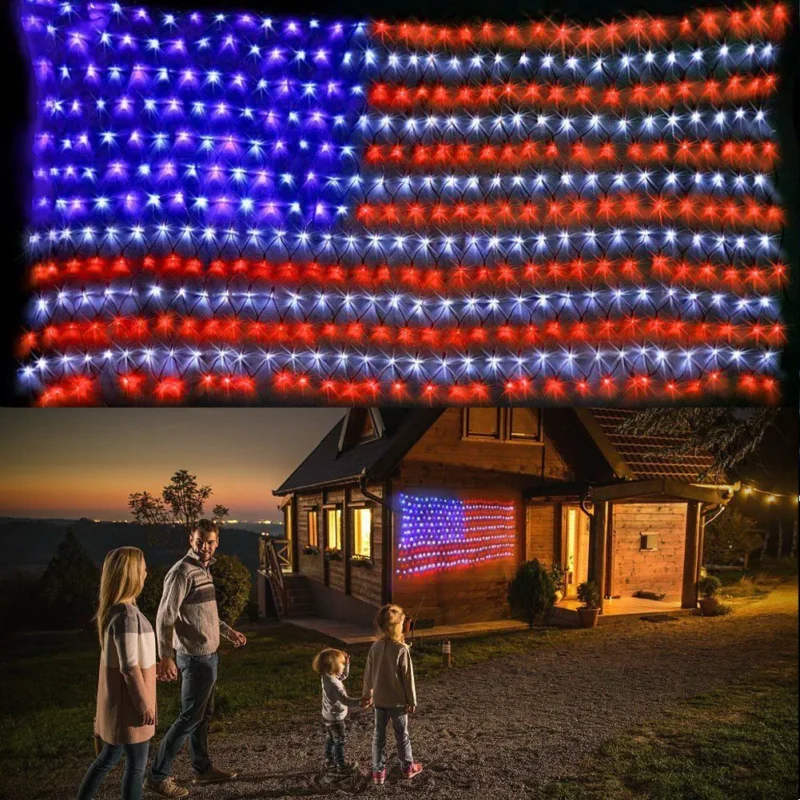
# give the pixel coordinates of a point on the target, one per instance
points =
(169, 328)
(736, 88)
(743, 154)
(55, 273)
(763, 20)
(305, 389)
(568, 210)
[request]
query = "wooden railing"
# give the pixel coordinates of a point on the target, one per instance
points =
(273, 560)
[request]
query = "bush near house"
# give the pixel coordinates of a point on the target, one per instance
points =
(532, 592)
(232, 585)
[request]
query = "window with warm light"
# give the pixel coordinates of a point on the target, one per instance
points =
(333, 528)
(362, 532)
(482, 423)
(313, 529)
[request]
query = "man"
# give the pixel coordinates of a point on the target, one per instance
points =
(188, 630)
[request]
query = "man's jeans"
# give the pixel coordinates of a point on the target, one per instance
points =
(198, 678)
(399, 720)
(132, 778)
(335, 738)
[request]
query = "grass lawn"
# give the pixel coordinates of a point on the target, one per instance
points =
(738, 742)
(48, 682)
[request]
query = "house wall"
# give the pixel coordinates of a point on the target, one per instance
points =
(366, 583)
(442, 459)
(540, 532)
(442, 445)
(660, 570)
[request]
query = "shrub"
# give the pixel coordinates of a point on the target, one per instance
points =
(151, 593)
(69, 586)
(589, 594)
(232, 584)
(557, 576)
(708, 586)
(531, 593)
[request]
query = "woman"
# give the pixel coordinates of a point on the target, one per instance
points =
(126, 689)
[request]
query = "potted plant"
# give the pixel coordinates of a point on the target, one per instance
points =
(557, 576)
(589, 595)
(361, 561)
(707, 588)
(531, 592)
(333, 555)
(310, 550)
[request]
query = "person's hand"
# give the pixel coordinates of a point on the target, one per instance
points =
(167, 669)
(366, 702)
(411, 709)
(149, 717)
(347, 659)
(238, 639)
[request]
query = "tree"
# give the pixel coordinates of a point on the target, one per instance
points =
(531, 593)
(729, 538)
(151, 591)
(69, 586)
(728, 435)
(181, 503)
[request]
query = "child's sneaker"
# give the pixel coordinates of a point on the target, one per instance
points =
(330, 766)
(347, 767)
(379, 777)
(412, 771)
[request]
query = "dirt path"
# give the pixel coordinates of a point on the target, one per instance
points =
(500, 730)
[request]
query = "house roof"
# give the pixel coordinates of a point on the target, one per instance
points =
(630, 457)
(650, 456)
(327, 464)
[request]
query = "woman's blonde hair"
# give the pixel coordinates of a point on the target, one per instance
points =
(327, 661)
(390, 622)
(122, 579)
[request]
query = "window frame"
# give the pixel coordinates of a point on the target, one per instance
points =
(312, 513)
(337, 511)
(354, 553)
(482, 437)
(504, 429)
(509, 414)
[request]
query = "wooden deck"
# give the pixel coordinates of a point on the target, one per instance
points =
(565, 614)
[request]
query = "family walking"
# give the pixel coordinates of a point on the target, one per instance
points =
(187, 637)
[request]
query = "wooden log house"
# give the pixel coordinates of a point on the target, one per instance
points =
(434, 509)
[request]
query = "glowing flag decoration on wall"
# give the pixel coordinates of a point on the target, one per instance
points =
(233, 207)
(445, 533)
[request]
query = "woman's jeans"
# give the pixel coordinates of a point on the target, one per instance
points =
(132, 777)
(198, 678)
(399, 719)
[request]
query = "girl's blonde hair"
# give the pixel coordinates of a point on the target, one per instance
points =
(327, 661)
(122, 579)
(390, 622)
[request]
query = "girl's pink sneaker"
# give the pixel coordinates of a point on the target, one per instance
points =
(379, 777)
(412, 771)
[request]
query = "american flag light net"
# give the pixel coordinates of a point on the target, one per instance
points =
(237, 207)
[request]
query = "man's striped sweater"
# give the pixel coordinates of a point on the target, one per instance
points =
(188, 620)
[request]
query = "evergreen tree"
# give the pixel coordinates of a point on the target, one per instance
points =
(69, 586)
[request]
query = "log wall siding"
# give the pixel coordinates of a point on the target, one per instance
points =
(443, 444)
(365, 583)
(633, 569)
(540, 532)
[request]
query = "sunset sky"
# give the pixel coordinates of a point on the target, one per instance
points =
(85, 462)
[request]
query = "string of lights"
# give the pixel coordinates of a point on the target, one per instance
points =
(338, 211)
(769, 496)
(439, 534)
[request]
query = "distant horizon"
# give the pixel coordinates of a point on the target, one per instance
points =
(68, 463)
